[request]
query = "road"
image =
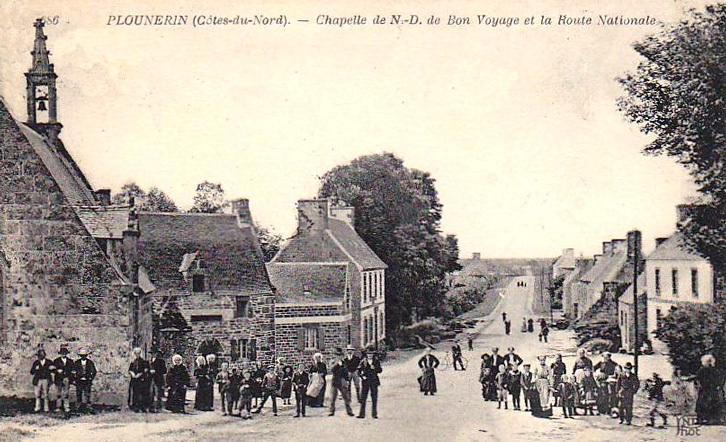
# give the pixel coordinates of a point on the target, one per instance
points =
(456, 413)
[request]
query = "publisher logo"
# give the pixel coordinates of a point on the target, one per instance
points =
(687, 426)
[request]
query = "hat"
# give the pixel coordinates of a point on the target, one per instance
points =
(510, 349)
(526, 365)
(63, 349)
(338, 351)
(628, 366)
(83, 352)
(350, 347)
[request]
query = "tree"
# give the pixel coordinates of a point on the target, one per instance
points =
(678, 95)
(153, 201)
(269, 242)
(209, 198)
(398, 215)
(158, 201)
(555, 291)
(691, 331)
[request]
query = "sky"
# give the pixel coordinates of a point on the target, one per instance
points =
(518, 125)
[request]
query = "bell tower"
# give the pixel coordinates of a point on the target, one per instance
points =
(41, 88)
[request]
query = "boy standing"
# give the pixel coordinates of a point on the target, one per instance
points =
(502, 380)
(300, 382)
(222, 379)
(527, 385)
(515, 386)
(245, 395)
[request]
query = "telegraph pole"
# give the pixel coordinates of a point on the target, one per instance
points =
(634, 243)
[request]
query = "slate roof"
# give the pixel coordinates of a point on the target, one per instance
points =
(231, 254)
(675, 248)
(566, 261)
(605, 270)
(104, 221)
(339, 242)
(61, 166)
(309, 282)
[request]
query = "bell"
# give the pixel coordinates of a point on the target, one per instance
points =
(41, 105)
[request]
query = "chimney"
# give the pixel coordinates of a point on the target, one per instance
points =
(607, 248)
(103, 196)
(476, 256)
(619, 246)
(596, 259)
(682, 212)
(241, 208)
(130, 244)
(635, 245)
(568, 252)
(659, 241)
(312, 216)
(344, 213)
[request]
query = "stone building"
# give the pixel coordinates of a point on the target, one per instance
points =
(331, 285)
(565, 264)
(570, 302)
(209, 273)
(68, 273)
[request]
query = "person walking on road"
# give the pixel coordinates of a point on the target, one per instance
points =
(456, 355)
(654, 387)
(470, 341)
(428, 364)
(504, 316)
(369, 369)
(530, 325)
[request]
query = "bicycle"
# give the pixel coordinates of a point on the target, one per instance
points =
(448, 361)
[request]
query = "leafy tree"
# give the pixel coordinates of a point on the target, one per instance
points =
(209, 198)
(269, 242)
(691, 331)
(128, 190)
(398, 214)
(158, 201)
(678, 95)
(555, 291)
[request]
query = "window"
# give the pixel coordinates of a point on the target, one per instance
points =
(198, 283)
(694, 283)
(206, 318)
(248, 349)
(674, 281)
(365, 330)
(234, 350)
(242, 305)
(311, 338)
(383, 325)
(657, 282)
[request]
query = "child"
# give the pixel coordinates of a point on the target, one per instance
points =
(654, 387)
(566, 391)
(527, 385)
(502, 387)
(588, 391)
(222, 379)
(286, 389)
(270, 385)
(245, 395)
(515, 386)
(300, 382)
(233, 392)
(484, 375)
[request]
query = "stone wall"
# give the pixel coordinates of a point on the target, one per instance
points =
(286, 333)
(58, 286)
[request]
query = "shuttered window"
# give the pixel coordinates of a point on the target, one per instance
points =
(311, 337)
(234, 350)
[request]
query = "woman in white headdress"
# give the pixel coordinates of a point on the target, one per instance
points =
(543, 381)
(205, 386)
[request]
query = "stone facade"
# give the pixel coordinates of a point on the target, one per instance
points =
(292, 321)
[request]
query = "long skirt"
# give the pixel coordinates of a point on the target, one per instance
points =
(708, 405)
(319, 400)
(428, 381)
(536, 405)
(138, 392)
(543, 393)
(176, 398)
(286, 389)
(204, 399)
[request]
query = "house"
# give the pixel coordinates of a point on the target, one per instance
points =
(565, 264)
(68, 273)
(569, 301)
(474, 272)
(331, 285)
(626, 320)
(675, 275)
(212, 293)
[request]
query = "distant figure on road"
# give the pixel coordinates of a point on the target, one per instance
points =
(524, 325)
(530, 325)
(428, 364)
(456, 354)
(470, 341)
(507, 327)
(504, 316)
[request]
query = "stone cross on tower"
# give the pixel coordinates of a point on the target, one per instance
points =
(42, 75)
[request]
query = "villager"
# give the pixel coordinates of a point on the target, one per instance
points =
(318, 384)
(484, 376)
(64, 375)
(558, 370)
(527, 382)
(222, 380)
(588, 392)
(582, 361)
(507, 327)
(270, 385)
(352, 361)
(428, 363)
(530, 325)
(540, 402)
(177, 379)
(203, 400)
(710, 391)
(566, 391)
(157, 372)
(286, 384)
(470, 341)
(515, 386)
(245, 394)
(257, 374)
(138, 382)
(502, 387)
(233, 392)
(85, 374)
(339, 383)
(511, 358)
(628, 385)
(42, 370)
(369, 369)
(654, 387)
(456, 355)
(524, 325)
(300, 381)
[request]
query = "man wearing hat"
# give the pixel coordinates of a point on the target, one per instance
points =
(157, 372)
(42, 371)
(627, 386)
(85, 374)
(270, 385)
(352, 361)
(456, 355)
(369, 370)
(64, 375)
(340, 383)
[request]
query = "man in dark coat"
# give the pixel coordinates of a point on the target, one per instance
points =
(512, 359)
(138, 386)
(582, 361)
(300, 382)
(456, 355)
(157, 372)
(496, 360)
(340, 383)
(654, 387)
(352, 361)
(368, 371)
(42, 370)
(627, 386)
(64, 376)
(85, 374)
